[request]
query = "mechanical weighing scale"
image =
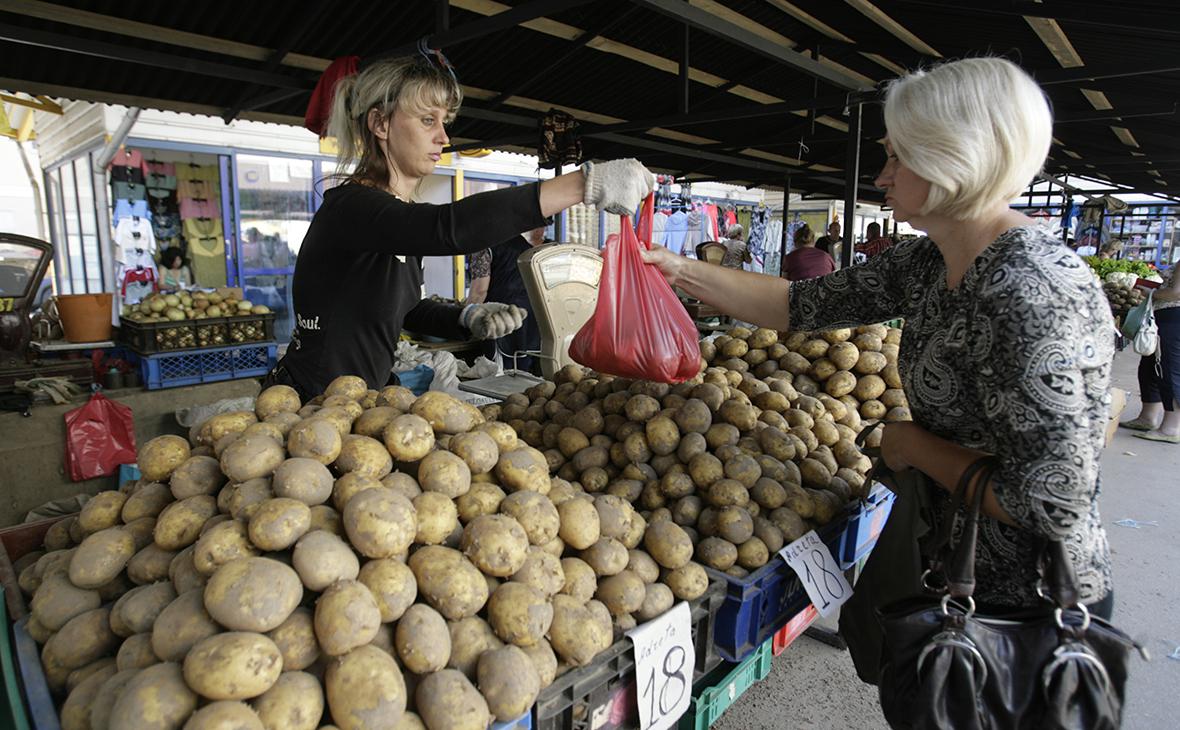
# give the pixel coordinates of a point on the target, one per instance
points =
(562, 283)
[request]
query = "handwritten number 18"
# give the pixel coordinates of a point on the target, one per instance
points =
(673, 670)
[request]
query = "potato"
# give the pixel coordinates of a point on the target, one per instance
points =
(575, 634)
(236, 665)
(496, 544)
(734, 524)
(304, 479)
(477, 449)
(224, 714)
(217, 427)
(364, 455)
(349, 485)
(148, 500)
(179, 525)
(542, 571)
(161, 456)
(663, 436)
(136, 611)
(365, 690)
(437, 518)
(314, 438)
(346, 617)
(155, 698)
(687, 582)
(580, 579)
(447, 699)
(392, 585)
(657, 599)
(448, 581)
(870, 363)
(668, 544)
(253, 594)
(136, 653)
(279, 523)
(196, 475)
(446, 473)
(321, 558)
(900, 413)
(509, 682)
(380, 523)
(423, 640)
(839, 384)
(768, 533)
(716, 553)
(276, 399)
(580, 526)
(469, 638)
(101, 511)
(873, 409)
(753, 554)
(294, 702)
(843, 355)
(622, 593)
(83, 639)
(535, 513)
(240, 501)
(815, 473)
(789, 523)
(826, 504)
(251, 457)
(75, 713)
(101, 557)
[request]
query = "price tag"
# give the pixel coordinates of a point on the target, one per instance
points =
(811, 559)
(664, 661)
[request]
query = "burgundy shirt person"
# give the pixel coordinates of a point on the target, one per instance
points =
(807, 261)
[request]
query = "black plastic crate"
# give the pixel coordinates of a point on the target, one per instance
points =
(149, 338)
(601, 695)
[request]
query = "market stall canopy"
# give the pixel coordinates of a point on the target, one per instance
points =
(746, 91)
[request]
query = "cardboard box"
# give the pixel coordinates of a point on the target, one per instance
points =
(1118, 401)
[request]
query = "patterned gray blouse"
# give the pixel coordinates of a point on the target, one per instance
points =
(1015, 362)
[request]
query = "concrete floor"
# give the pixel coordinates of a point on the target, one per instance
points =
(812, 685)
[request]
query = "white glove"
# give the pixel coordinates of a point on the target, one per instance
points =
(492, 320)
(617, 186)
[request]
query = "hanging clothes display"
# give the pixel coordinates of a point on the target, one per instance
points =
(758, 220)
(206, 250)
(137, 275)
(161, 188)
(133, 234)
(131, 159)
(129, 209)
(675, 232)
(199, 208)
(694, 237)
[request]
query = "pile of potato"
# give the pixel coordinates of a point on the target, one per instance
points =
(1122, 298)
(370, 559)
(746, 457)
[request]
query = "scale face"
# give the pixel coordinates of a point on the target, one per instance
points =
(562, 282)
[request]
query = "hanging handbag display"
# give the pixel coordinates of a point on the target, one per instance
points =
(946, 666)
(1140, 328)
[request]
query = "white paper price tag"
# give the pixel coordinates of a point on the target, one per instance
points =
(664, 661)
(811, 559)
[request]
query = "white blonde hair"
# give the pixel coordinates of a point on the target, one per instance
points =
(978, 129)
(734, 231)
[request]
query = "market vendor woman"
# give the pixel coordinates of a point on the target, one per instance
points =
(1007, 345)
(358, 279)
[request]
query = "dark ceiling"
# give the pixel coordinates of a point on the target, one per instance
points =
(612, 62)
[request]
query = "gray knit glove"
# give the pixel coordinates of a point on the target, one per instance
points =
(617, 186)
(492, 320)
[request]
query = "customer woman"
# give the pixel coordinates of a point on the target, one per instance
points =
(1159, 376)
(737, 253)
(358, 279)
(807, 261)
(1005, 349)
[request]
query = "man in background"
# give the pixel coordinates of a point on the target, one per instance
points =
(874, 243)
(830, 244)
(495, 277)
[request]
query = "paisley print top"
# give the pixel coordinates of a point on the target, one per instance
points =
(1015, 362)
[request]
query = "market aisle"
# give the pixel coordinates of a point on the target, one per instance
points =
(812, 685)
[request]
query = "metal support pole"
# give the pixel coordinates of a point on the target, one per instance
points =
(851, 179)
(682, 87)
(98, 172)
(782, 269)
(1066, 204)
(559, 220)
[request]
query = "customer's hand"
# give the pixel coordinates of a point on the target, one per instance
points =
(893, 440)
(669, 264)
(492, 320)
(617, 186)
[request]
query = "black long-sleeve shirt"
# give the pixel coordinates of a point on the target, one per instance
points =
(358, 279)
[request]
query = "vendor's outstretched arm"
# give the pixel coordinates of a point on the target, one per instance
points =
(750, 297)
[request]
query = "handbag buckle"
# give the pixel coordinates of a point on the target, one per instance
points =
(1074, 651)
(946, 600)
(955, 640)
(926, 575)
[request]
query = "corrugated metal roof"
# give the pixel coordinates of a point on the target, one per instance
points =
(628, 72)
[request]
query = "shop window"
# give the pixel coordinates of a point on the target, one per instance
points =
(73, 227)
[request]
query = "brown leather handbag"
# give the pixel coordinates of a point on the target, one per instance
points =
(946, 666)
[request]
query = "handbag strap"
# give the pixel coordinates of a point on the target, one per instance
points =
(960, 571)
(1057, 573)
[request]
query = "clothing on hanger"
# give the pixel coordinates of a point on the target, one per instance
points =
(193, 171)
(129, 208)
(161, 182)
(128, 191)
(675, 231)
(197, 188)
(155, 168)
(199, 208)
(207, 254)
(137, 283)
(134, 233)
(128, 158)
(121, 173)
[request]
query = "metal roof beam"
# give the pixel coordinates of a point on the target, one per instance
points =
(485, 26)
(100, 49)
(706, 21)
(1121, 113)
(309, 13)
(1087, 74)
(1156, 20)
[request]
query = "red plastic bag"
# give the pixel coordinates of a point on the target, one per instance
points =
(639, 328)
(99, 437)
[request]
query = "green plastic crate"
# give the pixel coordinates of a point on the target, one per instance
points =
(12, 705)
(717, 692)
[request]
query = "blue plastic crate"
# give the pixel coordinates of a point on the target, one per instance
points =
(12, 703)
(865, 525)
(758, 605)
(191, 367)
(42, 713)
(524, 722)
